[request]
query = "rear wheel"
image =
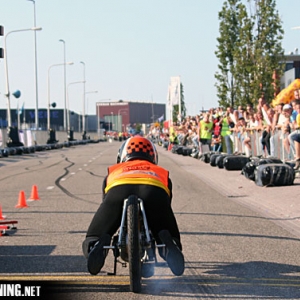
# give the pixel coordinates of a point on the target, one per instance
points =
(134, 259)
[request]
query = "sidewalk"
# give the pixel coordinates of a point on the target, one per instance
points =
(279, 204)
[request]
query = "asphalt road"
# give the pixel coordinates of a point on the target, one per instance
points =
(240, 241)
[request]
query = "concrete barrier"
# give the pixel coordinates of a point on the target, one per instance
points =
(40, 137)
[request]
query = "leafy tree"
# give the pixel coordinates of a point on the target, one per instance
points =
(228, 39)
(268, 48)
(249, 52)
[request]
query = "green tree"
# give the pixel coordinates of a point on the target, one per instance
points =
(176, 107)
(229, 33)
(268, 48)
(249, 52)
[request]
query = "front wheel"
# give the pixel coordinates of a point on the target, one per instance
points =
(134, 259)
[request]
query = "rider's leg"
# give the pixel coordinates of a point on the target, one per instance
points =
(97, 254)
(163, 225)
(159, 211)
(173, 254)
(107, 218)
(104, 224)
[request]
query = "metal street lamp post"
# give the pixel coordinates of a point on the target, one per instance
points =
(120, 111)
(7, 94)
(36, 71)
(68, 103)
(98, 115)
(65, 88)
(87, 123)
(111, 125)
(83, 101)
(48, 108)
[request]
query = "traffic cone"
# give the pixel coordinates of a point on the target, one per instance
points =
(22, 200)
(1, 216)
(34, 193)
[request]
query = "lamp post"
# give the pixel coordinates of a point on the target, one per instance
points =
(7, 94)
(36, 71)
(87, 123)
(65, 89)
(111, 120)
(48, 81)
(120, 111)
(98, 114)
(68, 102)
(83, 100)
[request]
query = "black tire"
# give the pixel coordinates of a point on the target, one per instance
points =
(134, 259)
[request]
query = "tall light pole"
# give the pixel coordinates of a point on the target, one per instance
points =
(120, 111)
(83, 100)
(75, 82)
(36, 72)
(99, 115)
(87, 109)
(7, 94)
(48, 109)
(65, 85)
(111, 120)
(91, 92)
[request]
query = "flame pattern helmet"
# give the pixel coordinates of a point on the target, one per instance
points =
(138, 147)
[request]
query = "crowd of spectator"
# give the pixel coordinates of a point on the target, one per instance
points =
(232, 130)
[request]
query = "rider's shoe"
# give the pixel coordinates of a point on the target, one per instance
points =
(174, 256)
(147, 270)
(97, 255)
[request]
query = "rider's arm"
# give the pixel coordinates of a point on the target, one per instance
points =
(170, 188)
(103, 187)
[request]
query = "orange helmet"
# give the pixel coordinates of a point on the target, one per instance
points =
(138, 147)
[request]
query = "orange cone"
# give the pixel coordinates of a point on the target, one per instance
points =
(22, 200)
(34, 193)
(1, 216)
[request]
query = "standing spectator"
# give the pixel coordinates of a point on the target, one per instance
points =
(226, 125)
(216, 137)
(219, 111)
(233, 114)
(240, 112)
(293, 123)
(195, 138)
(267, 132)
(248, 113)
(241, 134)
(296, 138)
(217, 126)
(261, 103)
(277, 123)
(286, 128)
(205, 132)
(250, 127)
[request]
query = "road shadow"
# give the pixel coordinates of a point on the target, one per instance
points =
(208, 279)
(38, 259)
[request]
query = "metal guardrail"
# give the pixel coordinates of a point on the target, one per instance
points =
(39, 137)
(276, 141)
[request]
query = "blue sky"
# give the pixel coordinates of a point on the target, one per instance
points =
(130, 49)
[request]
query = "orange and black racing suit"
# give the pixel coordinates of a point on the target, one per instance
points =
(149, 182)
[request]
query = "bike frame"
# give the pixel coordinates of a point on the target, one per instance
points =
(123, 220)
(146, 240)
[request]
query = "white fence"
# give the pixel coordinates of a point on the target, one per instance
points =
(276, 144)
